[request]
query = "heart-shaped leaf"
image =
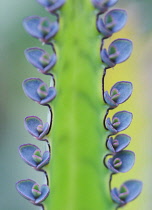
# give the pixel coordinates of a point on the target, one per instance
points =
(51, 5)
(40, 27)
(128, 191)
(103, 5)
(40, 59)
(121, 162)
(119, 93)
(27, 189)
(31, 154)
(32, 87)
(35, 127)
(112, 23)
(118, 143)
(120, 121)
(118, 51)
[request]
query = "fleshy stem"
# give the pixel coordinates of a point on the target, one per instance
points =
(77, 134)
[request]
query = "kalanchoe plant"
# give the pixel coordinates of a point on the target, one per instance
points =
(51, 5)
(113, 22)
(118, 51)
(32, 155)
(35, 127)
(120, 121)
(38, 91)
(119, 93)
(118, 143)
(121, 162)
(103, 5)
(40, 27)
(128, 191)
(40, 59)
(30, 190)
(75, 171)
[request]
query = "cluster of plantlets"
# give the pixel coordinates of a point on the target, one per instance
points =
(72, 169)
(44, 30)
(118, 51)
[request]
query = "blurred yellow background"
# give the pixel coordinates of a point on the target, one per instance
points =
(14, 106)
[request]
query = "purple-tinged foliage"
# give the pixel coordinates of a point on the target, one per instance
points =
(128, 191)
(119, 93)
(31, 154)
(38, 91)
(122, 161)
(113, 22)
(118, 51)
(40, 59)
(30, 190)
(35, 127)
(120, 121)
(51, 5)
(103, 5)
(118, 143)
(40, 27)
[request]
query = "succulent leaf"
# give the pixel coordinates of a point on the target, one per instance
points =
(112, 22)
(119, 143)
(122, 161)
(119, 93)
(103, 5)
(40, 59)
(31, 154)
(33, 123)
(30, 190)
(32, 87)
(118, 51)
(40, 27)
(120, 121)
(127, 192)
(51, 5)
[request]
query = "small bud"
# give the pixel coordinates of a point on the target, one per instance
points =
(115, 143)
(40, 128)
(44, 26)
(123, 192)
(117, 162)
(121, 162)
(37, 157)
(45, 59)
(129, 190)
(36, 190)
(115, 122)
(42, 90)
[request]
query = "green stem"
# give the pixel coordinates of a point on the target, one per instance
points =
(78, 177)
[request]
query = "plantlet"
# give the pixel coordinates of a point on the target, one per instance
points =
(75, 134)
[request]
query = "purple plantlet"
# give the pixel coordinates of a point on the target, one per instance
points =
(121, 162)
(118, 51)
(119, 93)
(128, 191)
(40, 27)
(38, 91)
(118, 143)
(40, 59)
(103, 5)
(30, 190)
(120, 121)
(113, 22)
(51, 5)
(35, 127)
(31, 154)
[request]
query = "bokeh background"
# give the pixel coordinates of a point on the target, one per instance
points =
(14, 106)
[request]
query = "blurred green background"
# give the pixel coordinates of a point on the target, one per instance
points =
(14, 106)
